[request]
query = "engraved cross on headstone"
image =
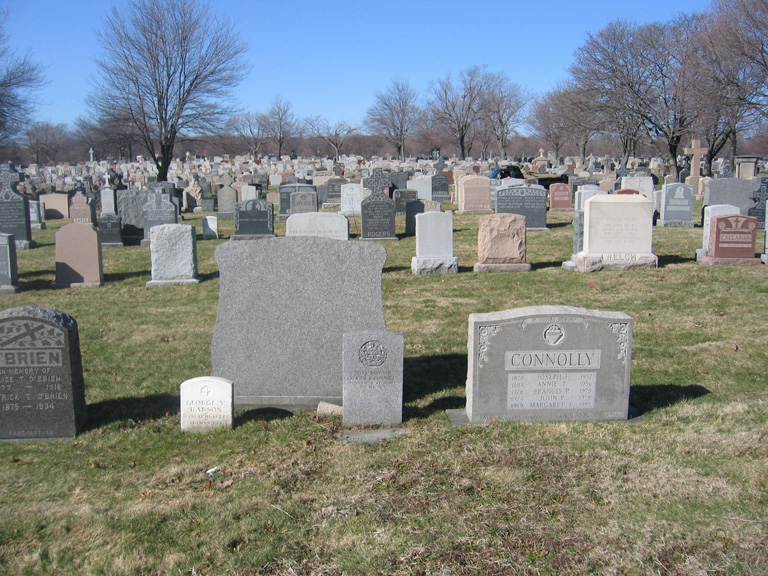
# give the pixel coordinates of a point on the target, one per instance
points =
(439, 167)
(758, 210)
(8, 177)
(378, 181)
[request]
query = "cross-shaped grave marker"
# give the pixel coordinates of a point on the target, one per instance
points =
(8, 178)
(696, 150)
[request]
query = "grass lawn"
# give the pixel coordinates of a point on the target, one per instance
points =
(684, 491)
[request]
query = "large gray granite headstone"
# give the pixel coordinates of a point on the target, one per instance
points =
(549, 363)
(276, 337)
(42, 394)
(735, 191)
(373, 378)
(173, 250)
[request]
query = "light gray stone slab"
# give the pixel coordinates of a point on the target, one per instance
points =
(206, 404)
(434, 244)
(210, 228)
(733, 191)
(549, 363)
(675, 205)
(173, 250)
(276, 337)
(372, 378)
(319, 224)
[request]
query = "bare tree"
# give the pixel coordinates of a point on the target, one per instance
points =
(458, 106)
(335, 135)
(46, 140)
(108, 136)
(502, 106)
(281, 123)
(19, 81)
(168, 65)
(251, 127)
(548, 121)
(394, 114)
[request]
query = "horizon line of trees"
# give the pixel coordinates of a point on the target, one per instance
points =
(632, 89)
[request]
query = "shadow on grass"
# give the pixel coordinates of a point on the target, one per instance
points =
(260, 414)
(558, 224)
(550, 264)
(668, 259)
(426, 376)
(119, 276)
(647, 398)
(395, 269)
(137, 409)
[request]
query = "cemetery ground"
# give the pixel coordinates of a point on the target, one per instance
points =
(684, 490)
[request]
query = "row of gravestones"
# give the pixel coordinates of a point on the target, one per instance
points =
(538, 363)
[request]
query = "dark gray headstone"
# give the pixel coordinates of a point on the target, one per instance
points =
(758, 210)
(226, 200)
(9, 276)
(157, 211)
(377, 217)
(253, 219)
(402, 197)
(440, 183)
(378, 182)
(207, 204)
(411, 209)
(42, 394)
(276, 337)
(399, 180)
(130, 208)
(110, 230)
(14, 209)
(333, 190)
(525, 201)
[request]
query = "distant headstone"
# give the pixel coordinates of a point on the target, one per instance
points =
(173, 250)
(108, 201)
(14, 209)
(78, 256)
(475, 195)
(560, 197)
(253, 219)
(434, 244)
(372, 374)
(351, 199)
(303, 201)
(36, 215)
(734, 191)
(440, 183)
(56, 205)
(80, 211)
(709, 213)
(211, 227)
(732, 240)
(549, 363)
(758, 210)
(207, 403)
(643, 184)
(423, 187)
(319, 224)
(401, 198)
(226, 199)
(378, 182)
(676, 205)
(42, 394)
(284, 315)
(528, 201)
(158, 211)
(9, 276)
(377, 217)
(333, 192)
(501, 244)
(110, 230)
(618, 234)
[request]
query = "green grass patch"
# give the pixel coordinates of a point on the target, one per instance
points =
(682, 492)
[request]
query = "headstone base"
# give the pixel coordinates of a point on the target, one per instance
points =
(474, 212)
(679, 223)
(58, 285)
(424, 266)
(251, 236)
(112, 244)
(8, 289)
(387, 238)
(168, 282)
(764, 258)
(40, 226)
(25, 244)
(144, 242)
(520, 267)
(707, 260)
(700, 252)
(569, 265)
(586, 262)
(331, 205)
(225, 215)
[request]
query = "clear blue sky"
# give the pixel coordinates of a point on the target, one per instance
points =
(330, 57)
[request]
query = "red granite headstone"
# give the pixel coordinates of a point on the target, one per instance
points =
(560, 197)
(732, 236)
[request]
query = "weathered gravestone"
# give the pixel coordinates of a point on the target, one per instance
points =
(211, 227)
(333, 192)
(42, 392)
(253, 219)
(36, 215)
(412, 208)
(303, 201)
(501, 244)
(440, 183)
(423, 187)
(560, 196)
(734, 191)
(401, 198)
(758, 210)
(207, 403)
(351, 199)
(372, 373)
(78, 257)
(80, 211)
(285, 192)
(578, 239)
(548, 363)
(320, 224)
(9, 275)
(618, 234)
(377, 217)
(643, 184)
(14, 209)
(226, 198)
(276, 337)
(709, 213)
(434, 244)
(675, 205)
(474, 195)
(732, 240)
(173, 250)
(110, 230)
(158, 211)
(528, 201)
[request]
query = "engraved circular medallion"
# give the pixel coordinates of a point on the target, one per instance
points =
(372, 353)
(554, 334)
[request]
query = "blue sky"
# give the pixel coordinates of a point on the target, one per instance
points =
(330, 57)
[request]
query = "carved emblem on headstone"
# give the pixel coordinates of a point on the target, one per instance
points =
(372, 353)
(554, 334)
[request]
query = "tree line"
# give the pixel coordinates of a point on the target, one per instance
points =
(168, 67)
